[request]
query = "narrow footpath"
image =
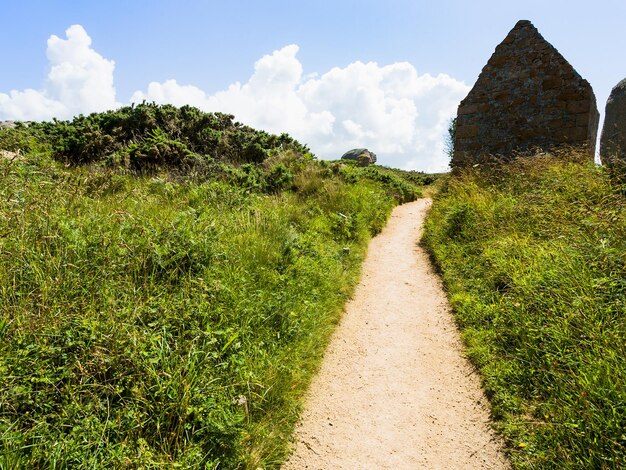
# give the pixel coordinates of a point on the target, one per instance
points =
(394, 390)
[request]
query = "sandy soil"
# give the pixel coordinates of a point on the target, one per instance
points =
(394, 390)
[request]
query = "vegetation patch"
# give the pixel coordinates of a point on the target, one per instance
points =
(533, 254)
(168, 282)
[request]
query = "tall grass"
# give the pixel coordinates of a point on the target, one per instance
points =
(168, 322)
(534, 257)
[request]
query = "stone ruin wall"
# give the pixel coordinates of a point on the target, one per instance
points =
(526, 97)
(613, 140)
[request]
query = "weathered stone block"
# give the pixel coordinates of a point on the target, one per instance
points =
(581, 119)
(555, 124)
(577, 107)
(471, 130)
(551, 83)
(527, 96)
(575, 134)
(470, 109)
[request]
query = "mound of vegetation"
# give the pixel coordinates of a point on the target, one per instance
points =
(168, 281)
(534, 257)
(149, 136)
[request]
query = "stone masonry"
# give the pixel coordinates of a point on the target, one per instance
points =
(526, 97)
(613, 140)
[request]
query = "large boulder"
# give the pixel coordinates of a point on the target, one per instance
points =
(363, 156)
(527, 97)
(613, 141)
(7, 124)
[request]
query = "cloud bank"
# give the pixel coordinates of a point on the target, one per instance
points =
(79, 81)
(399, 114)
(393, 110)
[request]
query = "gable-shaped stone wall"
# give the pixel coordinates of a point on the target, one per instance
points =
(527, 96)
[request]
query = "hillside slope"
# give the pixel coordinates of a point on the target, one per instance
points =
(534, 257)
(167, 288)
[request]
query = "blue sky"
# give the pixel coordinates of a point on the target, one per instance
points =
(336, 74)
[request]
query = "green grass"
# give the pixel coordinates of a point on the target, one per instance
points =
(533, 255)
(171, 318)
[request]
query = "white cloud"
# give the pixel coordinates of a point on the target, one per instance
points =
(392, 110)
(79, 81)
(269, 100)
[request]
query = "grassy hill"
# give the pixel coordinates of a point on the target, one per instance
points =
(168, 282)
(534, 258)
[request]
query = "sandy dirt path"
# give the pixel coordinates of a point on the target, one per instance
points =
(394, 390)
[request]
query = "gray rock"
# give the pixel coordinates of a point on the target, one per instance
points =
(7, 124)
(613, 141)
(363, 156)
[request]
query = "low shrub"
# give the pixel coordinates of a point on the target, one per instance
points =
(147, 136)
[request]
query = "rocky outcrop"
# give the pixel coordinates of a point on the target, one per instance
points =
(7, 124)
(613, 140)
(526, 97)
(6, 155)
(363, 156)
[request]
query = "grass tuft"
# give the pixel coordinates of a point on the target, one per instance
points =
(169, 318)
(533, 254)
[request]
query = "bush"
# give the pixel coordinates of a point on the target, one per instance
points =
(149, 136)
